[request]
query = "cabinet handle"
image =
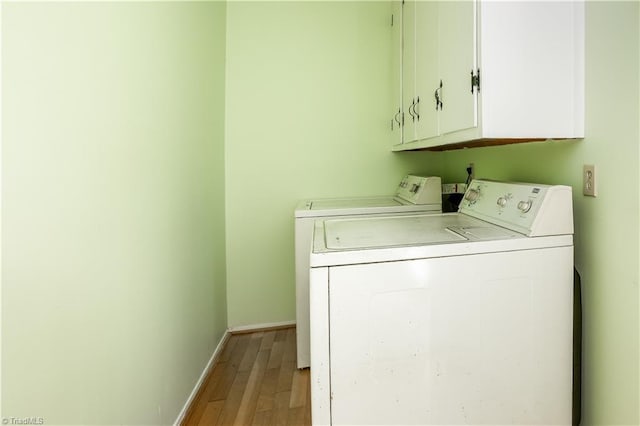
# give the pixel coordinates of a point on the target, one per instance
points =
(395, 118)
(438, 99)
(413, 104)
(415, 108)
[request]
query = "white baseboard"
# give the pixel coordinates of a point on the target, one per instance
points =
(257, 327)
(202, 378)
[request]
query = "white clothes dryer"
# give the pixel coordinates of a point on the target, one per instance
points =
(414, 194)
(457, 318)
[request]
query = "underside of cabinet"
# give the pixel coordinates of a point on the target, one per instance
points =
(481, 142)
(477, 143)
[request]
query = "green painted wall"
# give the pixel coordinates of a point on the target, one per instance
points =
(113, 263)
(308, 98)
(606, 227)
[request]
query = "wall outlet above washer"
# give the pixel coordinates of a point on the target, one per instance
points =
(589, 180)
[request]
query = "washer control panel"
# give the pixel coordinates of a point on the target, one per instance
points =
(521, 207)
(420, 189)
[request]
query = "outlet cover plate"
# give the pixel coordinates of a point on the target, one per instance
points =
(589, 180)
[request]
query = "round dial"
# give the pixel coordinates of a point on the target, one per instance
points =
(502, 201)
(472, 195)
(525, 206)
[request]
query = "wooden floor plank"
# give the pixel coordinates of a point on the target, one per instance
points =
(250, 354)
(281, 335)
(199, 405)
(285, 377)
(277, 351)
(232, 403)
(250, 397)
(267, 340)
(290, 346)
(228, 348)
(295, 417)
(307, 405)
(222, 386)
(211, 413)
(266, 397)
(299, 387)
(230, 370)
(254, 382)
(239, 350)
(263, 418)
(281, 412)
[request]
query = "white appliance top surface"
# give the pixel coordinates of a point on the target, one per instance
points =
(355, 203)
(394, 238)
(360, 206)
(396, 231)
(413, 194)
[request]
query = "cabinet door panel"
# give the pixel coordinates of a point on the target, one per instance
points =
(457, 58)
(427, 78)
(396, 72)
(408, 69)
(531, 54)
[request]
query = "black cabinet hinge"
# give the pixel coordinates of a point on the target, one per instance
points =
(475, 80)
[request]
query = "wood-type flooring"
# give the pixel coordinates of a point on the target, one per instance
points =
(254, 381)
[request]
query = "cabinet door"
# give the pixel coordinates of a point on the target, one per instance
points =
(396, 72)
(408, 69)
(457, 59)
(426, 68)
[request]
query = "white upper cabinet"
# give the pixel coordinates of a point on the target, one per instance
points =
(457, 59)
(408, 69)
(395, 113)
(478, 72)
(426, 76)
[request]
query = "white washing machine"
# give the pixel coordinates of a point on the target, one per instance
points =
(450, 319)
(414, 194)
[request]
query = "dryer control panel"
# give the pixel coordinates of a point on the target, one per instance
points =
(420, 189)
(531, 209)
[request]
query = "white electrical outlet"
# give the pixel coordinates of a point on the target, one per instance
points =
(589, 180)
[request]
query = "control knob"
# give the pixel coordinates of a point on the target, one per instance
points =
(525, 206)
(472, 195)
(502, 201)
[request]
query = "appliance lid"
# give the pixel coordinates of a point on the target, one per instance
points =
(353, 203)
(483, 232)
(331, 207)
(398, 231)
